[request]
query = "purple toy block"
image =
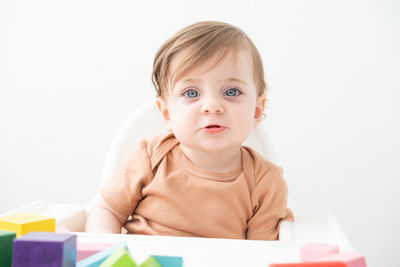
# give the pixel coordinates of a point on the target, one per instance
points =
(44, 249)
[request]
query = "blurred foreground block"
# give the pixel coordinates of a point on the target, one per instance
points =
(100, 257)
(25, 223)
(310, 264)
(352, 259)
(120, 257)
(85, 250)
(72, 217)
(150, 262)
(314, 251)
(168, 261)
(6, 243)
(44, 249)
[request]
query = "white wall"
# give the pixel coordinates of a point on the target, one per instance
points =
(72, 71)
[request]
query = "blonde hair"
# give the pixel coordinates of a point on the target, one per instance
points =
(195, 44)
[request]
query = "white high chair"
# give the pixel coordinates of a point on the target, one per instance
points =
(146, 122)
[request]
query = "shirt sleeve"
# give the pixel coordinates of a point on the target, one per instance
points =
(269, 201)
(124, 189)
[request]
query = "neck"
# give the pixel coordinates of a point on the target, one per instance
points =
(219, 161)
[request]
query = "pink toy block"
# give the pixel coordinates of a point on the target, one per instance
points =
(85, 250)
(310, 264)
(352, 259)
(314, 251)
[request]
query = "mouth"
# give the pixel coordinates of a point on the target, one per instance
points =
(213, 126)
(213, 129)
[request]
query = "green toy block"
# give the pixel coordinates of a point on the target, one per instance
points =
(168, 261)
(6, 243)
(120, 258)
(150, 262)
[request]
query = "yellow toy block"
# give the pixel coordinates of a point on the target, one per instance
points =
(25, 223)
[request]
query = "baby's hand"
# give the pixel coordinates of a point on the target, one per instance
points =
(103, 219)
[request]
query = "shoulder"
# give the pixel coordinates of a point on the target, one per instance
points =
(265, 171)
(158, 143)
(146, 148)
(149, 151)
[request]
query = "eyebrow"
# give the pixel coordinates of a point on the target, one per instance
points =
(233, 79)
(236, 80)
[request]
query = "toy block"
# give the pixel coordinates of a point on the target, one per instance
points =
(44, 249)
(85, 250)
(352, 259)
(97, 258)
(25, 223)
(168, 261)
(120, 258)
(310, 264)
(6, 244)
(150, 262)
(314, 251)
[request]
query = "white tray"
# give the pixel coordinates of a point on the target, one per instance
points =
(206, 251)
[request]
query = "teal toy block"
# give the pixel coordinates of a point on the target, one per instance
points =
(150, 262)
(6, 244)
(120, 258)
(168, 261)
(98, 258)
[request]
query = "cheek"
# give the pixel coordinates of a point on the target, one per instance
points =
(245, 117)
(180, 118)
(245, 112)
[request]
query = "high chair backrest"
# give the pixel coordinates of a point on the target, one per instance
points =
(146, 122)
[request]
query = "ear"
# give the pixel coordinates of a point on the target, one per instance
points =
(162, 107)
(259, 109)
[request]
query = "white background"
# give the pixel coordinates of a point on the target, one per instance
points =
(71, 72)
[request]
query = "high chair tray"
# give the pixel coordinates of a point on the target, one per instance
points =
(206, 251)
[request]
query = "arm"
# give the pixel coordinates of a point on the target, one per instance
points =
(269, 199)
(121, 194)
(103, 219)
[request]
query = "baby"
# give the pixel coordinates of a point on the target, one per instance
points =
(198, 180)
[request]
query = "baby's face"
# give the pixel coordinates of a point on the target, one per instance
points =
(214, 108)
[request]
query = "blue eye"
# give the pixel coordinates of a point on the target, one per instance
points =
(191, 93)
(232, 92)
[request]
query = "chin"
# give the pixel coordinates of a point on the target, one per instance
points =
(214, 148)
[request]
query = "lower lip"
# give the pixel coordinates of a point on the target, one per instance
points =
(213, 130)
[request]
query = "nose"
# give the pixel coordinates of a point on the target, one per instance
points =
(212, 106)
